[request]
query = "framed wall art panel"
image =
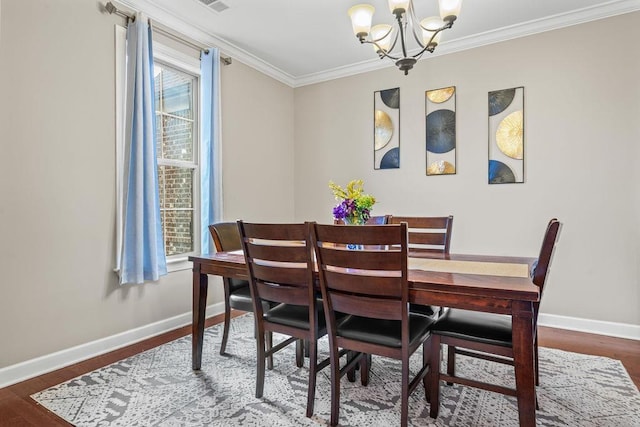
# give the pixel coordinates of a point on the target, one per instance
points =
(506, 136)
(440, 109)
(386, 129)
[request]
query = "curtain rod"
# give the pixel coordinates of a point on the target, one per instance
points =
(113, 10)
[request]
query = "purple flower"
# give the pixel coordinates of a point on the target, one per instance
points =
(339, 211)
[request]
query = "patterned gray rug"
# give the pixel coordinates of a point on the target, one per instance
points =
(158, 388)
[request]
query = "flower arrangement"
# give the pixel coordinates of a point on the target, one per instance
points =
(355, 206)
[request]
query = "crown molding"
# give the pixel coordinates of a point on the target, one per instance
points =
(206, 38)
(580, 16)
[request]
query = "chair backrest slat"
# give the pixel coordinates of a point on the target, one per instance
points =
(428, 238)
(283, 294)
(292, 276)
(375, 259)
(351, 234)
(364, 284)
(427, 234)
(280, 263)
(275, 251)
(359, 305)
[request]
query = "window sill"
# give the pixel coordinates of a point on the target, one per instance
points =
(179, 264)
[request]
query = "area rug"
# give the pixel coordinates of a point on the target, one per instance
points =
(158, 388)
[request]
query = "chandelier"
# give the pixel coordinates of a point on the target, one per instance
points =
(384, 37)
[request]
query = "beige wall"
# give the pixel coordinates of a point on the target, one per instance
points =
(57, 167)
(582, 114)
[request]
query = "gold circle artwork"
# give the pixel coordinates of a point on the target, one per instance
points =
(440, 95)
(509, 135)
(383, 129)
(441, 167)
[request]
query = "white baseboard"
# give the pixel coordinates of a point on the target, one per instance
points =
(600, 327)
(50, 362)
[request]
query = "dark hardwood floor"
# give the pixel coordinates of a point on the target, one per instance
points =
(18, 409)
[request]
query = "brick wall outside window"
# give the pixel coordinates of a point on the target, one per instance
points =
(174, 128)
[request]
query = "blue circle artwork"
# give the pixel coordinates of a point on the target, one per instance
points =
(499, 173)
(441, 131)
(391, 159)
(500, 100)
(391, 97)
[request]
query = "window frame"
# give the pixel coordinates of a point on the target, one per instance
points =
(172, 58)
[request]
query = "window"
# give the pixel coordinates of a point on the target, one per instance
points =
(177, 153)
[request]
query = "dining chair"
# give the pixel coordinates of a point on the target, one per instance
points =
(487, 335)
(370, 286)
(237, 295)
(431, 235)
(281, 271)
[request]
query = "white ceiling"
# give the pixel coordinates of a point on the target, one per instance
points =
(302, 41)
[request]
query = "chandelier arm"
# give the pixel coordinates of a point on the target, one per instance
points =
(415, 23)
(420, 43)
(401, 31)
(446, 26)
(429, 46)
(393, 46)
(381, 51)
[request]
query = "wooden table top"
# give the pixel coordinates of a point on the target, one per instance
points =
(232, 264)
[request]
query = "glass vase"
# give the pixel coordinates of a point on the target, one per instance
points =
(354, 221)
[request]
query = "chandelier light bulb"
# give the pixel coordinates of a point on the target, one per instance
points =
(381, 34)
(398, 6)
(361, 15)
(429, 27)
(450, 9)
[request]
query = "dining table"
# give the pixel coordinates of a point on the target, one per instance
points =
(487, 283)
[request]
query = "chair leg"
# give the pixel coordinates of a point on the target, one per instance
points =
(269, 346)
(536, 360)
(260, 364)
(335, 387)
(313, 366)
(426, 360)
(225, 330)
(434, 375)
(451, 362)
(365, 367)
(299, 353)
(404, 404)
(351, 374)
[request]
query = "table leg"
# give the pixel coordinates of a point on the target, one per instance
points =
(523, 355)
(200, 285)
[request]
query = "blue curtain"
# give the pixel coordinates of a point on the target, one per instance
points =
(210, 176)
(143, 255)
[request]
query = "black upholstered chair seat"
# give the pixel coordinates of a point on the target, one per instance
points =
(384, 332)
(240, 299)
(237, 284)
(296, 316)
(432, 311)
(486, 328)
